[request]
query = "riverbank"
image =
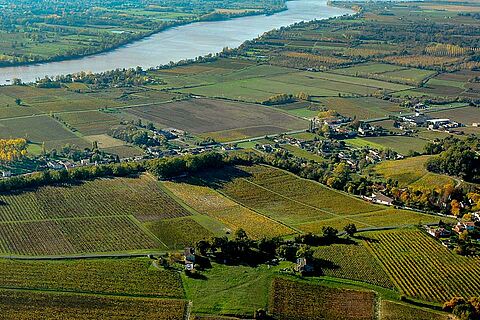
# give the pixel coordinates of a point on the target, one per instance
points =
(206, 17)
(178, 43)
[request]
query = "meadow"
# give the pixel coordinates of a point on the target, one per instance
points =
(422, 268)
(288, 300)
(229, 290)
(401, 144)
(361, 108)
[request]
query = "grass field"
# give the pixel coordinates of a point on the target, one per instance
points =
(205, 115)
(230, 290)
(361, 108)
(422, 268)
(412, 171)
(467, 115)
(20, 305)
(234, 216)
(134, 276)
(292, 300)
(400, 144)
(38, 129)
(387, 72)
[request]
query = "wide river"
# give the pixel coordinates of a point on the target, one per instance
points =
(183, 42)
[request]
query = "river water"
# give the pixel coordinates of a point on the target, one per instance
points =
(183, 42)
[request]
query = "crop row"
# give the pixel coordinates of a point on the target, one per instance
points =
(20, 305)
(352, 262)
(141, 197)
(423, 268)
(297, 300)
(86, 235)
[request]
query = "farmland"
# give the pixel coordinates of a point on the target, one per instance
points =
(301, 204)
(287, 301)
(415, 261)
(412, 171)
(25, 304)
(397, 311)
(134, 276)
(209, 116)
(401, 144)
(95, 216)
(353, 261)
(234, 216)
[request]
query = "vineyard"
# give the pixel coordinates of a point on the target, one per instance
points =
(396, 311)
(141, 197)
(70, 236)
(291, 300)
(178, 233)
(21, 305)
(113, 276)
(210, 202)
(286, 197)
(353, 261)
(422, 268)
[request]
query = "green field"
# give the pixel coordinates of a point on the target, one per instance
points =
(229, 290)
(412, 171)
(401, 144)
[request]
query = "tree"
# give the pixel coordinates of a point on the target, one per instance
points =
(455, 207)
(305, 251)
(18, 101)
(329, 233)
(202, 246)
(350, 229)
(240, 234)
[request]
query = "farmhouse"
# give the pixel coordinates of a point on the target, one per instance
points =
(462, 226)
(303, 266)
(382, 199)
(438, 232)
(189, 254)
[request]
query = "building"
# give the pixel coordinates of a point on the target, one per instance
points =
(303, 266)
(189, 254)
(382, 199)
(439, 232)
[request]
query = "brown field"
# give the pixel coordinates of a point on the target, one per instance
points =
(292, 300)
(206, 115)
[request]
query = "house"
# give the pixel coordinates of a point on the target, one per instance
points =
(462, 226)
(438, 232)
(189, 254)
(6, 174)
(382, 199)
(303, 266)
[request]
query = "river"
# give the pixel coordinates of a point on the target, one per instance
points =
(182, 42)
